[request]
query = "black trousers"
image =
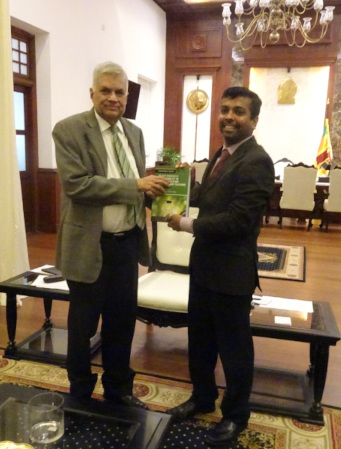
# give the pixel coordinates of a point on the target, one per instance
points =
(113, 297)
(219, 324)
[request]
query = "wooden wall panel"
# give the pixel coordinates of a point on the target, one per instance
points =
(320, 54)
(199, 42)
(48, 200)
(195, 47)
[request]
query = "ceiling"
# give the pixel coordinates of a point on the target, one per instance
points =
(193, 6)
(181, 6)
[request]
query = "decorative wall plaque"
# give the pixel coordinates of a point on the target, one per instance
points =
(197, 101)
(287, 91)
(199, 42)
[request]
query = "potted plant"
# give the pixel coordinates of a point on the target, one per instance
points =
(168, 156)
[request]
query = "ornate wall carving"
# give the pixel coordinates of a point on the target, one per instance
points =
(335, 125)
(237, 73)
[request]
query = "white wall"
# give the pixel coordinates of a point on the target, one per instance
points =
(295, 130)
(196, 128)
(72, 36)
(143, 118)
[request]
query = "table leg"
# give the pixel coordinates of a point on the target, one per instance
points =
(48, 307)
(11, 318)
(320, 375)
(311, 369)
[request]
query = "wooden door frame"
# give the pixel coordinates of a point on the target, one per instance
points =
(27, 84)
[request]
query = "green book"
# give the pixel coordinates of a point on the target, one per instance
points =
(176, 198)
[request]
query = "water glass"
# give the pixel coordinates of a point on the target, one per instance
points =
(46, 417)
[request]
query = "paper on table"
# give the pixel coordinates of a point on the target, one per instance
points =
(283, 320)
(39, 282)
(296, 305)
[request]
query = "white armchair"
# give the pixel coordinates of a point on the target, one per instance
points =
(163, 292)
(299, 185)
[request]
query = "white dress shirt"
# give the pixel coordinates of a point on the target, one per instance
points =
(114, 216)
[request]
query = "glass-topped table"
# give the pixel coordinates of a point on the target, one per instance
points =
(91, 423)
(48, 344)
(302, 398)
(319, 329)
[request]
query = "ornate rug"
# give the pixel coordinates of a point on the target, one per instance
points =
(264, 431)
(281, 262)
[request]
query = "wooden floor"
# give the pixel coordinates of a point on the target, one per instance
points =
(163, 351)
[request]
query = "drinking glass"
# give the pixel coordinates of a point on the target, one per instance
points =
(46, 417)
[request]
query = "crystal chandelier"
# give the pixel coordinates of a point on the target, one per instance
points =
(268, 20)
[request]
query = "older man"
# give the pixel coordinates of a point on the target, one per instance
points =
(102, 237)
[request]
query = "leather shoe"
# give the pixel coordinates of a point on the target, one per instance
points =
(189, 409)
(127, 400)
(224, 432)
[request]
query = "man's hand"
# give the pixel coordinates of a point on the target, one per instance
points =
(174, 222)
(185, 164)
(152, 185)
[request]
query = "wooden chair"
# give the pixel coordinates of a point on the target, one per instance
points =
(299, 185)
(163, 291)
(333, 203)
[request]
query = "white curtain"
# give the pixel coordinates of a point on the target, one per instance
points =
(13, 245)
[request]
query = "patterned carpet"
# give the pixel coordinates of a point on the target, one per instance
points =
(281, 262)
(264, 431)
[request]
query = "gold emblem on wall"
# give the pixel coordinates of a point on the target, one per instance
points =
(197, 101)
(287, 91)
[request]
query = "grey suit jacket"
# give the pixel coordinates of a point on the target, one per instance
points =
(82, 167)
(224, 252)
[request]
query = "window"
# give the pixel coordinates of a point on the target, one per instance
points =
(20, 57)
(19, 113)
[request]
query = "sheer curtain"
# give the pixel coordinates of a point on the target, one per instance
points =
(13, 245)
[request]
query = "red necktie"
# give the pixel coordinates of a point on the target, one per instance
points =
(216, 170)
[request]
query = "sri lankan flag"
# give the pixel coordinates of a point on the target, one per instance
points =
(324, 153)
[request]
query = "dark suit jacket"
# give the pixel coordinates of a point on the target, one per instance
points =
(82, 167)
(224, 252)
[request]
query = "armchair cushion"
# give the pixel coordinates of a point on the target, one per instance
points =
(173, 248)
(164, 290)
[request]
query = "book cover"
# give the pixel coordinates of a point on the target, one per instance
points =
(176, 198)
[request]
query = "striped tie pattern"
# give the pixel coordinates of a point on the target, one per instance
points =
(135, 214)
